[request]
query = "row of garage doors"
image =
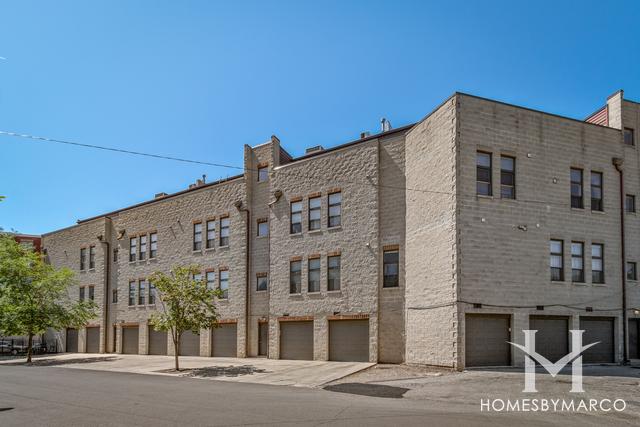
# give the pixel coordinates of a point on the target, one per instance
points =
(348, 340)
(487, 336)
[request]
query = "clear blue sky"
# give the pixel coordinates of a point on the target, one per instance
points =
(198, 79)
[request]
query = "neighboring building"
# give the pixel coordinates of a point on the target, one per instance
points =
(30, 241)
(434, 243)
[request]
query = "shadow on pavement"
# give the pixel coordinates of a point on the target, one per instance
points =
(587, 370)
(59, 362)
(216, 371)
(373, 390)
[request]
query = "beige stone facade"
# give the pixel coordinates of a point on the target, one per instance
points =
(411, 189)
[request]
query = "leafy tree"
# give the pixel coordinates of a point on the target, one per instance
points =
(33, 294)
(187, 304)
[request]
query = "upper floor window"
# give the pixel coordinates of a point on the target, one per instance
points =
(197, 277)
(630, 203)
(133, 248)
(632, 272)
(81, 296)
(92, 257)
(263, 173)
(211, 233)
(132, 293)
(92, 293)
(210, 276)
(114, 296)
(597, 263)
(197, 236)
(556, 260)
(596, 191)
(295, 277)
(152, 293)
(296, 217)
(628, 136)
(263, 228)
(262, 282)
(335, 209)
(333, 273)
(224, 283)
(153, 237)
(483, 174)
(143, 247)
(314, 213)
(83, 258)
(507, 177)
(576, 188)
(314, 275)
(577, 262)
(390, 267)
(142, 290)
(115, 255)
(224, 231)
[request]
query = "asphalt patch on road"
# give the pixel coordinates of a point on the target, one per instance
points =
(373, 390)
(216, 371)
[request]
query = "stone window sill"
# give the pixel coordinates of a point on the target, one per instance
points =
(336, 228)
(223, 247)
(318, 231)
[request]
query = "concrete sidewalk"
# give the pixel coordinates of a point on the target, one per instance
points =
(299, 373)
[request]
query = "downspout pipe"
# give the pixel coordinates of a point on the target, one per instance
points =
(106, 295)
(618, 163)
(247, 305)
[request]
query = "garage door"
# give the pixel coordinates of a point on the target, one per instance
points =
(130, 340)
(157, 342)
(93, 340)
(225, 340)
(296, 340)
(634, 342)
(72, 340)
(552, 338)
(190, 344)
(598, 329)
(349, 340)
(486, 337)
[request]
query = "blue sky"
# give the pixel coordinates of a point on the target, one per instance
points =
(199, 79)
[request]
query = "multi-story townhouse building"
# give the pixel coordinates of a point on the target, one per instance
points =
(434, 243)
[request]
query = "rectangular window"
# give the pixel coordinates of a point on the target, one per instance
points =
(262, 282)
(92, 257)
(596, 191)
(152, 293)
(628, 137)
(211, 279)
(92, 293)
(224, 231)
(133, 249)
(556, 260)
(81, 296)
(597, 263)
(263, 228)
(197, 277)
(507, 177)
(632, 272)
(390, 261)
(143, 247)
(333, 273)
(83, 258)
(576, 188)
(263, 173)
(211, 234)
(142, 290)
(224, 283)
(314, 275)
(314, 213)
(115, 255)
(335, 209)
(577, 262)
(197, 236)
(483, 174)
(153, 237)
(132, 293)
(114, 296)
(296, 217)
(295, 277)
(630, 203)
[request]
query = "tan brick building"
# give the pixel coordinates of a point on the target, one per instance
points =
(434, 243)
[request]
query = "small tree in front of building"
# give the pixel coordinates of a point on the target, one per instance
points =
(34, 295)
(186, 304)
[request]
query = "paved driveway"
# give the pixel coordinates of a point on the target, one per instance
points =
(300, 373)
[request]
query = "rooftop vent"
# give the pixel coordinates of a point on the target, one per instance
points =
(385, 125)
(199, 182)
(365, 135)
(314, 149)
(159, 195)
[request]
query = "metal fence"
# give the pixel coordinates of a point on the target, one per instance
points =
(18, 345)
